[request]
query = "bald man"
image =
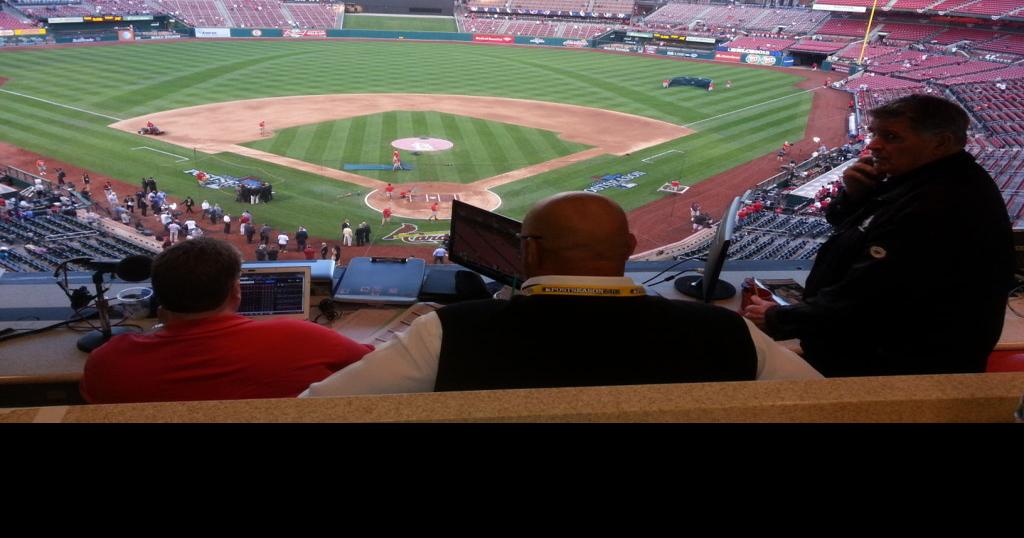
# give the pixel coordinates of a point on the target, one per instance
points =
(577, 321)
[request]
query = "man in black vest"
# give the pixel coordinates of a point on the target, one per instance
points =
(576, 322)
(915, 277)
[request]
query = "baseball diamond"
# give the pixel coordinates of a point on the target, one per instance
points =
(535, 120)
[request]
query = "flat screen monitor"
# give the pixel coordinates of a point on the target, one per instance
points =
(707, 286)
(487, 243)
(381, 280)
(275, 292)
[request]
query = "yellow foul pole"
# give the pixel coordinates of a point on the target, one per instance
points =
(867, 32)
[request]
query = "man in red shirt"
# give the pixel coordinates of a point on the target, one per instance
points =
(389, 191)
(386, 215)
(205, 350)
(433, 211)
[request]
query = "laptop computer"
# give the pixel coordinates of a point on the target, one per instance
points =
(278, 292)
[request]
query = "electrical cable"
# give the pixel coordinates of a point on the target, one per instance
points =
(671, 267)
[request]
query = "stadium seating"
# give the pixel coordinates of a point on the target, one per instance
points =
(990, 7)
(880, 82)
(10, 22)
(195, 12)
(556, 5)
(1009, 73)
(257, 14)
(871, 52)
(1013, 44)
(122, 7)
(312, 15)
(794, 21)
(955, 35)
(810, 45)
(614, 6)
(911, 5)
(761, 43)
(844, 27)
(45, 12)
(909, 32)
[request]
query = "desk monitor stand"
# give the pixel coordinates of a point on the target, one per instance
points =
(693, 286)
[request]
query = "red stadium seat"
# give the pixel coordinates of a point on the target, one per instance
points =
(1006, 361)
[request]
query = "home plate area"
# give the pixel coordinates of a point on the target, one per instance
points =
(413, 200)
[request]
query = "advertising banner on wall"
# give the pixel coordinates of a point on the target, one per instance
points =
(256, 32)
(491, 38)
(760, 59)
(728, 57)
(30, 31)
(787, 61)
(206, 33)
(295, 32)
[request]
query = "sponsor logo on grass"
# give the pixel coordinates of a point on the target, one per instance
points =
(614, 181)
(213, 181)
(408, 233)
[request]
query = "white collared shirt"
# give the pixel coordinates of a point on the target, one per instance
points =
(408, 363)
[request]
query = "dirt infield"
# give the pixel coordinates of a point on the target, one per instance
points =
(221, 127)
(424, 195)
(668, 220)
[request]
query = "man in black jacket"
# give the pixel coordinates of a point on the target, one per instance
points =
(915, 277)
(577, 321)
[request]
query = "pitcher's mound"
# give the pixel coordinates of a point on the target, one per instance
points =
(419, 197)
(422, 143)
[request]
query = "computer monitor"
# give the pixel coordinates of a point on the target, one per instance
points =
(707, 286)
(275, 292)
(487, 243)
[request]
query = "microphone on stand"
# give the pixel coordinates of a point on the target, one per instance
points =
(130, 269)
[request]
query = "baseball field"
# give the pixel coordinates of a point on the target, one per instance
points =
(525, 122)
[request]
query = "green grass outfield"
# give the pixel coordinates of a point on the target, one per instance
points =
(421, 24)
(482, 148)
(106, 83)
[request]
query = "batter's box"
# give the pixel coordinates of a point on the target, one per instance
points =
(434, 197)
(674, 188)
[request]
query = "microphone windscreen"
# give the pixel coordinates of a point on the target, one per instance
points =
(134, 268)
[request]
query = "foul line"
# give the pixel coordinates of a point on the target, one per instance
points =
(180, 158)
(61, 105)
(748, 107)
(652, 158)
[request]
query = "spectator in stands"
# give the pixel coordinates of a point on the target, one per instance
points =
(575, 246)
(885, 295)
(205, 350)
